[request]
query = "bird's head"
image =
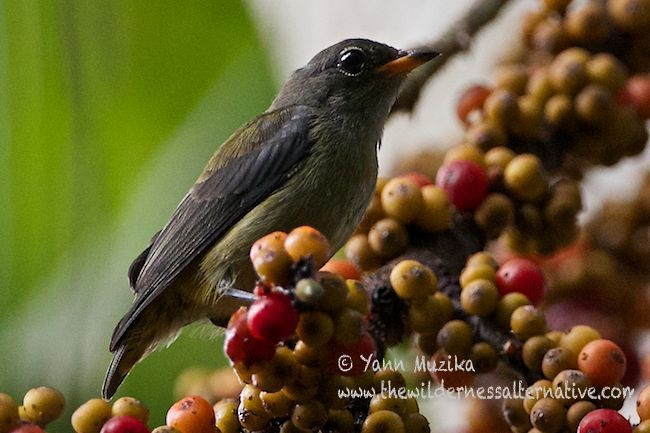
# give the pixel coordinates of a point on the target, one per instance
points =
(351, 76)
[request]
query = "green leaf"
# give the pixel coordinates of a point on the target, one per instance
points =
(108, 113)
(89, 91)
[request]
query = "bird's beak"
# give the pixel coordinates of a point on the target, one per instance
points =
(407, 61)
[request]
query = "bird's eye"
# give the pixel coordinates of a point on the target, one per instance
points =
(352, 61)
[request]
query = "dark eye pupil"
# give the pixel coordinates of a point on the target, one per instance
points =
(352, 61)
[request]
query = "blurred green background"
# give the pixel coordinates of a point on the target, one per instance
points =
(108, 111)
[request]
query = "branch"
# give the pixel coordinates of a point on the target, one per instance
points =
(455, 40)
(445, 253)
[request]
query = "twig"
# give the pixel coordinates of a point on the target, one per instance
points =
(455, 40)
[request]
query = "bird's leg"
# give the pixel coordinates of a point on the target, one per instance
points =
(231, 299)
(242, 295)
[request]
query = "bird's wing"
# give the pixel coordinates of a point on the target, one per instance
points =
(249, 166)
(138, 262)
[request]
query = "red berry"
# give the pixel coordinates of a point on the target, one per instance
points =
(124, 424)
(241, 346)
(465, 183)
(472, 99)
(272, 317)
(28, 428)
(351, 360)
(636, 94)
(523, 276)
(604, 421)
(420, 179)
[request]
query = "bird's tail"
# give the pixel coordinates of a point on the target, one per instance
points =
(125, 357)
(138, 334)
(133, 339)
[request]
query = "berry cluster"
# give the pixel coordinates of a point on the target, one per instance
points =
(98, 416)
(382, 235)
(489, 295)
(192, 414)
(617, 25)
(580, 91)
(511, 197)
(40, 406)
(531, 213)
(562, 366)
(572, 364)
(287, 347)
(578, 95)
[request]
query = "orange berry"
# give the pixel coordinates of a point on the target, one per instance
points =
(272, 241)
(272, 264)
(603, 362)
(191, 415)
(306, 241)
(344, 268)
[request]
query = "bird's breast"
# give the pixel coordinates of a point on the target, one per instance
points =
(329, 190)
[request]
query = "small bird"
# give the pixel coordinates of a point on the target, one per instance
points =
(310, 159)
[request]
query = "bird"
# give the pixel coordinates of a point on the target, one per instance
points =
(309, 159)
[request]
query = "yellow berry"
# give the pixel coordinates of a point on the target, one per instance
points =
(527, 321)
(630, 15)
(383, 421)
(465, 152)
(43, 404)
(315, 328)
(578, 337)
(411, 279)
(401, 199)
(132, 407)
(436, 210)
(605, 69)
(225, 413)
(499, 157)
(479, 297)
(309, 416)
(357, 297)
(91, 416)
(250, 412)
(477, 272)
(525, 177)
(276, 404)
(349, 326)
